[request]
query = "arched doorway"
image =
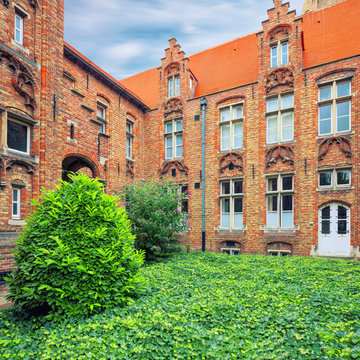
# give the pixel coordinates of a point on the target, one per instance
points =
(334, 230)
(77, 164)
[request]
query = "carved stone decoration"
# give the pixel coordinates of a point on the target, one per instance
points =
(230, 160)
(280, 32)
(29, 167)
(6, 3)
(343, 143)
(34, 3)
(173, 108)
(174, 163)
(172, 68)
(22, 80)
(283, 152)
(130, 169)
(279, 77)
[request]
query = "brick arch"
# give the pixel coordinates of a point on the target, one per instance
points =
(104, 97)
(173, 65)
(334, 74)
(328, 202)
(75, 162)
(278, 29)
(231, 98)
(130, 116)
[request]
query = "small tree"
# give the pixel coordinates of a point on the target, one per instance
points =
(154, 209)
(76, 255)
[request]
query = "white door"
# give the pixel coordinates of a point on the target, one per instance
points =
(334, 230)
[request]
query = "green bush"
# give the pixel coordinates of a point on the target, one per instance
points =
(154, 209)
(76, 255)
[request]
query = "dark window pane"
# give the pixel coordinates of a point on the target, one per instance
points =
(287, 202)
(226, 206)
(17, 136)
(225, 187)
(185, 206)
(325, 212)
(343, 177)
(342, 227)
(230, 244)
(238, 187)
(325, 178)
(325, 226)
(272, 203)
(287, 183)
(272, 184)
(342, 212)
(238, 205)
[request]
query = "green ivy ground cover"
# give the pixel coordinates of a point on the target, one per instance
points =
(212, 306)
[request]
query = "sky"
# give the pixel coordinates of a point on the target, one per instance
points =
(128, 37)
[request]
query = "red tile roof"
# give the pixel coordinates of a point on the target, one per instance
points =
(332, 33)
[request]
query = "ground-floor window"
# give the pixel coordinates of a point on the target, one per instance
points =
(16, 201)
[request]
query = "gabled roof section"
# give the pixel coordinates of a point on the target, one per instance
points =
(72, 53)
(332, 33)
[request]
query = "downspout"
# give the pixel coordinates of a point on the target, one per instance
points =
(203, 104)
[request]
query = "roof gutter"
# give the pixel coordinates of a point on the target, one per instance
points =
(123, 91)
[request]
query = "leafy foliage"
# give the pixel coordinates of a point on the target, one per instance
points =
(154, 209)
(76, 255)
(213, 306)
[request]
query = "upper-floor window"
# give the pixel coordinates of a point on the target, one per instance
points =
(173, 138)
(101, 113)
(231, 204)
(231, 127)
(335, 178)
(280, 118)
(334, 107)
(279, 202)
(173, 85)
(19, 28)
(18, 136)
(279, 53)
(15, 201)
(129, 139)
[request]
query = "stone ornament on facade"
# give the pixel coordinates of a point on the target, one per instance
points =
(283, 152)
(343, 142)
(279, 32)
(22, 80)
(173, 108)
(230, 160)
(130, 169)
(280, 77)
(174, 163)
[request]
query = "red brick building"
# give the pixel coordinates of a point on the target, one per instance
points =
(263, 130)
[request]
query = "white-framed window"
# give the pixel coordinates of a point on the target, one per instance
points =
(231, 251)
(129, 138)
(334, 178)
(18, 136)
(15, 203)
(173, 138)
(173, 85)
(101, 114)
(280, 118)
(231, 204)
(280, 201)
(279, 53)
(19, 28)
(231, 127)
(334, 107)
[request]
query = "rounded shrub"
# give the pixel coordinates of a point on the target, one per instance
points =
(76, 255)
(154, 209)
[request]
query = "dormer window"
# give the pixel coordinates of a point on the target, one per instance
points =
(173, 85)
(279, 53)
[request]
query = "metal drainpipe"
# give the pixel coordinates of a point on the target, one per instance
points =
(203, 104)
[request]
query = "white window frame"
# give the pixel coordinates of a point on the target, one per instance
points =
(279, 53)
(334, 184)
(27, 136)
(174, 134)
(231, 196)
(279, 118)
(18, 203)
(333, 101)
(231, 251)
(20, 29)
(130, 137)
(231, 124)
(173, 84)
(102, 120)
(279, 193)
